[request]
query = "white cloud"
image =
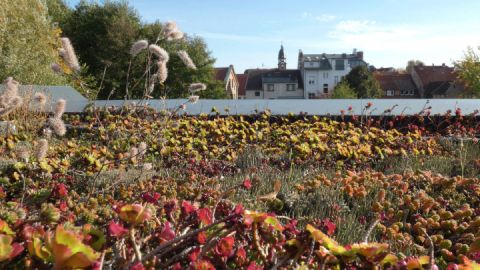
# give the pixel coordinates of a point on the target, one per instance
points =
(320, 18)
(353, 26)
(235, 37)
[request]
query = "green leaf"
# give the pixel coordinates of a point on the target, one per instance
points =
(5, 229)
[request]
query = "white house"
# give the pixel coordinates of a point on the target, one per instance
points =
(322, 72)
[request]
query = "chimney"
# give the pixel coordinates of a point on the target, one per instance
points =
(360, 55)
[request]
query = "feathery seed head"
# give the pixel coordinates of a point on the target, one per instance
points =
(16, 101)
(161, 53)
(171, 31)
(162, 71)
(11, 88)
(42, 148)
(56, 68)
(60, 108)
(138, 46)
(133, 153)
(69, 55)
(193, 99)
(22, 152)
(147, 166)
(57, 125)
(176, 35)
(196, 87)
(186, 59)
(142, 148)
(40, 99)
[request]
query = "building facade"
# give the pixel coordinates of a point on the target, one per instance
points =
(322, 72)
(229, 79)
(437, 81)
(396, 85)
(276, 83)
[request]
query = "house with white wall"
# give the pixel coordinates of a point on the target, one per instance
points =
(229, 79)
(322, 72)
(275, 83)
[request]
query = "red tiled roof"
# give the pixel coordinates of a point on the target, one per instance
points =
(395, 81)
(429, 74)
(221, 73)
(242, 83)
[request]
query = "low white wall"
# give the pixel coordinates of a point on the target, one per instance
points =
(313, 107)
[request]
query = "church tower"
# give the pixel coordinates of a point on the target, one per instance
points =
(282, 64)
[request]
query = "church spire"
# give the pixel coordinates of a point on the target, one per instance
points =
(282, 64)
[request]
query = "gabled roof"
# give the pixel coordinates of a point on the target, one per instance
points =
(437, 88)
(395, 81)
(256, 77)
(242, 83)
(429, 74)
(221, 73)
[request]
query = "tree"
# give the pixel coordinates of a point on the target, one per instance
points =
(103, 36)
(363, 83)
(468, 70)
(29, 42)
(343, 90)
(413, 63)
(58, 11)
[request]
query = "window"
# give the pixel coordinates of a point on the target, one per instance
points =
(271, 87)
(257, 93)
(290, 87)
(311, 95)
(339, 64)
(406, 92)
(325, 75)
(389, 93)
(336, 80)
(311, 80)
(325, 88)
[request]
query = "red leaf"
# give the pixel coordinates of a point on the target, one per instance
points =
(202, 265)
(116, 230)
(205, 216)
(187, 208)
(151, 197)
(61, 190)
(329, 226)
(137, 266)
(241, 253)
(193, 256)
(202, 237)
(254, 266)
(247, 184)
(239, 209)
(167, 233)
(224, 247)
(63, 206)
(17, 249)
(177, 266)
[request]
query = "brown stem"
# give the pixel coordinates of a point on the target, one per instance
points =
(136, 248)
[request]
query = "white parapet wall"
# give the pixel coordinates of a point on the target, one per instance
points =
(312, 107)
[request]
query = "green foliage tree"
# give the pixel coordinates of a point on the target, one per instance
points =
(413, 63)
(468, 69)
(103, 35)
(29, 42)
(58, 11)
(361, 80)
(343, 90)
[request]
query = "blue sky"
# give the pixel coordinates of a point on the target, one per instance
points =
(248, 33)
